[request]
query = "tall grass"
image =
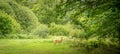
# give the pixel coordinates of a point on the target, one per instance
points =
(33, 46)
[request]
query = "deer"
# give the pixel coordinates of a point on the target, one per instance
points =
(58, 40)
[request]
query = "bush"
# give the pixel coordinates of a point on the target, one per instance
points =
(19, 36)
(23, 15)
(58, 30)
(4, 6)
(8, 24)
(98, 45)
(41, 30)
(77, 33)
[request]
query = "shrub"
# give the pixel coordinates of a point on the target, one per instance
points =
(8, 24)
(4, 6)
(58, 29)
(98, 45)
(77, 33)
(24, 16)
(41, 30)
(19, 36)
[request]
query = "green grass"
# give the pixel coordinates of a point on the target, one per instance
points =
(34, 46)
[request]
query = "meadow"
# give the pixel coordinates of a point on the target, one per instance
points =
(34, 46)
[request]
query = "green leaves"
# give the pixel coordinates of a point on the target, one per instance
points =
(58, 29)
(100, 16)
(23, 15)
(90, 17)
(8, 25)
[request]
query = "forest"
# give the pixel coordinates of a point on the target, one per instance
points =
(76, 26)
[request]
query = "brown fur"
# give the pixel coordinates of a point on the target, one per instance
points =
(59, 40)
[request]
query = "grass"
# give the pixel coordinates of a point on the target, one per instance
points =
(34, 46)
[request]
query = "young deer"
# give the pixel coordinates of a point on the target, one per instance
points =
(59, 40)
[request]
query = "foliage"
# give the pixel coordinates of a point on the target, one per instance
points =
(58, 30)
(98, 45)
(45, 11)
(93, 16)
(8, 25)
(23, 15)
(4, 6)
(77, 33)
(41, 30)
(93, 23)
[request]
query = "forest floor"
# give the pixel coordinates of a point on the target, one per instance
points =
(34, 46)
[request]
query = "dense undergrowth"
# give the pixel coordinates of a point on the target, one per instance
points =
(97, 45)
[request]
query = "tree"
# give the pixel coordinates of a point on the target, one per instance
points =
(94, 16)
(23, 15)
(8, 25)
